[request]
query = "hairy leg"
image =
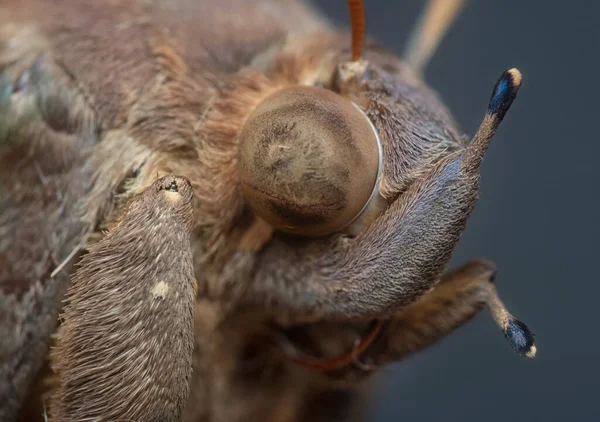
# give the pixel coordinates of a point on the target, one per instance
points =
(456, 299)
(459, 296)
(125, 344)
(383, 269)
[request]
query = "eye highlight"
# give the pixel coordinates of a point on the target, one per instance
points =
(309, 161)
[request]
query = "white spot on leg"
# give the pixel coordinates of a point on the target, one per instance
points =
(160, 290)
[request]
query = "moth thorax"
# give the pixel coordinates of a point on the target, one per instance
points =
(309, 161)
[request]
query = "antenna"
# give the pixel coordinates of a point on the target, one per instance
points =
(432, 26)
(357, 20)
(504, 93)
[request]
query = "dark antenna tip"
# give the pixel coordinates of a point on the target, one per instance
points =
(505, 91)
(520, 338)
(357, 20)
(503, 95)
(516, 332)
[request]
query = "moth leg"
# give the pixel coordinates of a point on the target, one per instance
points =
(432, 26)
(373, 275)
(395, 260)
(457, 297)
(125, 346)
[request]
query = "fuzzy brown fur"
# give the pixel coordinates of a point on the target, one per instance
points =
(130, 315)
(98, 100)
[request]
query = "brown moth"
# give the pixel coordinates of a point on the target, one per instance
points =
(225, 210)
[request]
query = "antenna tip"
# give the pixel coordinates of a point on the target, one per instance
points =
(505, 91)
(520, 338)
(516, 76)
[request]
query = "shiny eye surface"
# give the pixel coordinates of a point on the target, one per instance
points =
(309, 160)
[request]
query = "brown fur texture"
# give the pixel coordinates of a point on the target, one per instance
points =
(130, 316)
(43, 146)
(100, 99)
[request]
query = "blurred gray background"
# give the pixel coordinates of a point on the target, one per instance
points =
(537, 217)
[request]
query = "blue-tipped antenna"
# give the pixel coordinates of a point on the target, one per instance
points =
(520, 338)
(516, 332)
(505, 91)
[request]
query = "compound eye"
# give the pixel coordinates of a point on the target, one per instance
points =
(309, 161)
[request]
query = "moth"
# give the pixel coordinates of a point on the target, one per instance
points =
(226, 210)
